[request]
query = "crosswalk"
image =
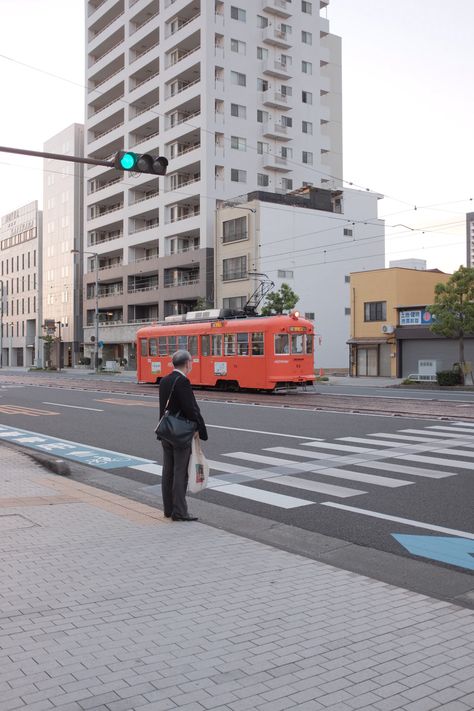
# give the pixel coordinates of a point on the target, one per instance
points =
(313, 470)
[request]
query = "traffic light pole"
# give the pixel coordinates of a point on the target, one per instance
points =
(58, 156)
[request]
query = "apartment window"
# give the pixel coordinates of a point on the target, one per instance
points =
(307, 127)
(306, 67)
(347, 311)
(238, 176)
(285, 274)
(238, 46)
(286, 29)
(347, 279)
(307, 97)
(262, 22)
(262, 84)
(287, 121)
(234, 230)
(236, 302)
(262, 53)
(286, 90)
(234, 268)
(262, 180)
(306, 37)
(307, 157)
(286, 152)
(238, 110)
(375, 311)
(240, 144)
(262, 116)
(287, 183)
(309, 315)
(237, 13)
(238, 79)
(262, 147)
(348, 232)
(306, 7)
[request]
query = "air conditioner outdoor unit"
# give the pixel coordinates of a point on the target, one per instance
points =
(387, 328)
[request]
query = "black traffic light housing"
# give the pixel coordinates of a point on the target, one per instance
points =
(140, 163)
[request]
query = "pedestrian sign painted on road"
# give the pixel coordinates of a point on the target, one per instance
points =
(76, 451)
(446, 549)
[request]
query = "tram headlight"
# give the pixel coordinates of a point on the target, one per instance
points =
(295, 314)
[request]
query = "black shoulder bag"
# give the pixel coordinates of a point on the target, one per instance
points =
(174, 429)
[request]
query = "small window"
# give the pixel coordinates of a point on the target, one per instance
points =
(306, 37)
(347, 279)
(309, 315)
(240, 144)
(257, 344)
(234, 230)
(287, 183)
(306, 7)
(297, 343)
(229, 344)
(216, 345)
(282, 344)
(205, 345)
(375, 311)
(153, 347)
(306, 97)
(171, 345)
(237, 13)
(143, 347)
(262, 180)
(262, 53)
(262, 22)
(287, 121)
(242, 344)
(285, 274)
(309, 344)
(238, 78)
(238, 176)
(238, 110)
(262, 84)
(193, 345)
(162, 349)
(238, 46)
(182, 343)
(306, 67)
(307, 127)
(348, 232)
(307, 157)
(262, 116)
(347, 311)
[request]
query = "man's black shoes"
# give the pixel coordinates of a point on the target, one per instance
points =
(184, 518)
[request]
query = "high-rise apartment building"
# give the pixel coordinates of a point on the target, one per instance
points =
(20, 277)
(239, 95)
(63, 210)
(470, 239)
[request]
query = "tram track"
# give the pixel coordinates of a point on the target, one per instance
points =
(304, 400)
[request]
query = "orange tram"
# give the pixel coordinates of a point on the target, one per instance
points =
(257, 353)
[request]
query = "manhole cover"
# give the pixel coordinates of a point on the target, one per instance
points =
(10, 522)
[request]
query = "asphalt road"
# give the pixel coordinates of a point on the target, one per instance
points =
(242, 436)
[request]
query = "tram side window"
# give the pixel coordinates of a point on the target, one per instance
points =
(309, 344)
(153, 347)
(243, 344)
(144, 347)
(193, 345)
(282, 345)
(182, 343)
(257, 344)
(205, 345)
(297, 343)
(229, 344)
(171, 345)
(162, 349)
(216, 343)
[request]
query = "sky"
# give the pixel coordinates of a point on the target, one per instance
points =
(408, 109)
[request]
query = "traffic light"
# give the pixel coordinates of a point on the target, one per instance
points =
(145, 163)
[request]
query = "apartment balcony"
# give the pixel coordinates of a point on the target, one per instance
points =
(95, 238)
(324, 25)
(282, 8)
(105, 208)
(276, 100)
(140, 226)
(276, 37)
(106, 100)
(109, 21)
(187, 47)
(144, 50)
(141, 139)
(183, 179)
(276, 131)
(181, 277)
(138, 284)
(139, 109)
(275, 68)
(143, 17)
(108, 51)
(143, 313)
(145, 191)
(106, 181)
(179, 244)
(107, 127)
(145, 74)
(183, 19)
(275, 162)
(183, 82)
(187, 110)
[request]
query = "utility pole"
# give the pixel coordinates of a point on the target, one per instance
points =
(58, 323)
(1, 323)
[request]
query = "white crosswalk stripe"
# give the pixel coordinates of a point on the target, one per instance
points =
(318, 487)
(449, 428)
(439, 461)
(300, 453)
(364, 478)
(366, 440)
(406, 469)
(408, 438)
(340, 447)
(446, 435)
(263, 496)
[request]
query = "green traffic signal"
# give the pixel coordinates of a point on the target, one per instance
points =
(140, 163)
(128, 160)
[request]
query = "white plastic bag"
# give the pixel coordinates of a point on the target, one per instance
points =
(198, 468)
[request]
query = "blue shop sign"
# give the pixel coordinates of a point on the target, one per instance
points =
(416, 317)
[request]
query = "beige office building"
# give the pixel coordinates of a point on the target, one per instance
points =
(20, 275)
(63, 211)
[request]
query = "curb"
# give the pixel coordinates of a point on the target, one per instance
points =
(56, 466)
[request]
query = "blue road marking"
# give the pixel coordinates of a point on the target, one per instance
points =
(446, 549)
(76, 451)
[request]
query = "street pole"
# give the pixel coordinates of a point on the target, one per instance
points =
(96, 257)
(10, 354)
(58, 323)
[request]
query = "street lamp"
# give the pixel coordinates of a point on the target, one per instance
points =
(96, 345)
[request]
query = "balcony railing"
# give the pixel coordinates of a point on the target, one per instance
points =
(184, 217)
(182, 185)
(101, 108)
(181, 250)
(108, 266)
(105, 185)
(108, 51)
(182, 56)
(147, 197)
(104, 133)
(142, 139)
(98, 32)
(183, 24)
(144, 259)
(138, 289)
(143, 110)
(94, 216)
(109, 76)
(93, 241)
(145, 22)
(181, 282)
(144, 81)
(145, 51)
(184, 119)
(183, 88)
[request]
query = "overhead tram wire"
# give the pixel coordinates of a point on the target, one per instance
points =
(160, 114)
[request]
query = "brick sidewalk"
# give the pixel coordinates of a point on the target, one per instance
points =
(107, 606)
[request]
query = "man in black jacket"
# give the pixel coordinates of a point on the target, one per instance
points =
(174, 478)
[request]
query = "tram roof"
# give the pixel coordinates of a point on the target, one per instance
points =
(228, 319)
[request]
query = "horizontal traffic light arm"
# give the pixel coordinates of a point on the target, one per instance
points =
(57, 156)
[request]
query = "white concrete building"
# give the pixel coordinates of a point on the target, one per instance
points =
(311, 241)
(21, 277)
(419, 264)
(63, 224)
(239, 95)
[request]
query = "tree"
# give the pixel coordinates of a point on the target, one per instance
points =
(453, 308)
(48, 347)
(281, 301)
(201, 304)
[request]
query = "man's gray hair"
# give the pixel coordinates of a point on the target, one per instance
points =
(181, 358)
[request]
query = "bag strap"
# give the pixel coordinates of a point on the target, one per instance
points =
(171, 392)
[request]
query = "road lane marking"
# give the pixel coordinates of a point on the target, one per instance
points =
(149, 468)
(317, 487)
(366, 440)
(456, 452)
(76, 407)
(341, 447)
(446, 435)
(448, 428)
(26, 411)
(277, 434)
(364, 478)
(263, 496)
(229, 468)
(262, 459)
(398, 519)
(405, 469)
(128, 403)
(409, 438)
(300, 453)
(439, 461)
